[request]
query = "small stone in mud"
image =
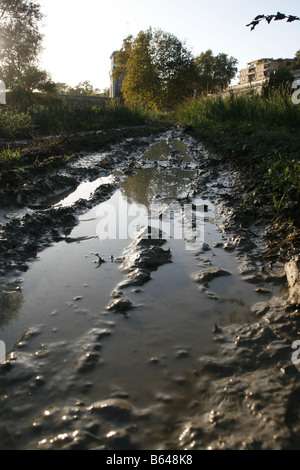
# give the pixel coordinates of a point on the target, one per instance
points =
(263, 290)
(100, 333)
(154, 360)
(79, 297)
(207, 275)
(119, 393)
(253, 278)
(211, 295)
(218, 245)
(117, 293)
(87, 361)
(164, 397)
(261, 308)
(120, 305)
(182, 353)
(119, 439)
(39, 380)
(205, 247)
(136, 277)
(111, 408)
(229, 246)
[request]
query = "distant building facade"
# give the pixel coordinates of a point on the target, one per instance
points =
(115, 85)
(260, 70)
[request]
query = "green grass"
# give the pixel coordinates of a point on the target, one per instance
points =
(15, 124)
(277, 111)
(64, 120)
(9, 158)
(20, 161)
(41, 120)
(262, 137)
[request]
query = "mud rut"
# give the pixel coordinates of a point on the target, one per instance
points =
(144, 341)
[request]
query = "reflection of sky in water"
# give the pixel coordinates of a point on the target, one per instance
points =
(65, 294)
(84, 191)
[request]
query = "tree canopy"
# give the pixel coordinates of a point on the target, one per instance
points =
(296, 63)
(280, 81)
(159, 71)
(20, 45)
(215, 72)
(156, 67)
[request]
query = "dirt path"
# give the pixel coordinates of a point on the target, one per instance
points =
(241, 392)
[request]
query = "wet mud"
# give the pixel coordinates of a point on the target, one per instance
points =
(147, 341)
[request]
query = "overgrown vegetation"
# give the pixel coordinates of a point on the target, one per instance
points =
(262, 137)
(40, 120)
(158, 71)
(22, 161)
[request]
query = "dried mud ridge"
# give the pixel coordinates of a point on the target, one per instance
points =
(141, 258)
(245, 397)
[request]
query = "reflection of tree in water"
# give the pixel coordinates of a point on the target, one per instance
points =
(142, 187)
(10, 304)
(159, 151)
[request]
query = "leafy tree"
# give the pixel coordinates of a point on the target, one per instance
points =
(105, 92)
(122, 57)
(20, 45)
(82, 89)
(268, 18)
(62, 88)
(215, 72)
(156, 67)
(296, 63)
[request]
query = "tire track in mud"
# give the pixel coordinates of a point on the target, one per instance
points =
(242, 397)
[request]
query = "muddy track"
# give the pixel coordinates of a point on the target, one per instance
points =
(244, 396)
(28, 220)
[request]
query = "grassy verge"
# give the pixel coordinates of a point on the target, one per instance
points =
(262, 139)
(55, 119)
(20, 161)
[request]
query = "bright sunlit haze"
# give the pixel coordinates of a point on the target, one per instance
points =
(79, 37)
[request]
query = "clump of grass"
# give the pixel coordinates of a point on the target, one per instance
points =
(9, 158)
(278, 110)
(265, 127)
(109, 115)
(15, 124)
(279, 186)
(56, 118)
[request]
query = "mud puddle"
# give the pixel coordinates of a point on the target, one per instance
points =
(105, 330)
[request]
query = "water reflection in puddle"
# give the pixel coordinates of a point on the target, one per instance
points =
(66, 290)
(84, 191)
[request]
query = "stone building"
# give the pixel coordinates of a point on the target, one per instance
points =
(260, 70)
(115, 85)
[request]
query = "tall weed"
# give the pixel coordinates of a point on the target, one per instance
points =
(278, 110)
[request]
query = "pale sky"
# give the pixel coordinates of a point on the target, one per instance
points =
(80, 35)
